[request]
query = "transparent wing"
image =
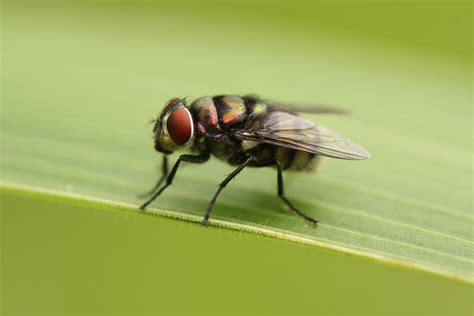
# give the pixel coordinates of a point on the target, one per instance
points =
(273, 106)
(288, 130)
(303, 108)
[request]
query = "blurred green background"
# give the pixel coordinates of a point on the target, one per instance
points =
(81, 80)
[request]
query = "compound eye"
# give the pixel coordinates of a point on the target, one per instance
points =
(180, 126)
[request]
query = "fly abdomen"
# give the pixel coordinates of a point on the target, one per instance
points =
(290, 159)
(296, 160)
(303, 161)
(285, 156)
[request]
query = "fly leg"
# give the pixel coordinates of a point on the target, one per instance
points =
(169, 179)
(164, 173)
(282, 196)
(222, 185)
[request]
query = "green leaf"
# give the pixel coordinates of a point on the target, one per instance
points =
(80, 86)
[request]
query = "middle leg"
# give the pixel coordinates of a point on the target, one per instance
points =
(222, 185)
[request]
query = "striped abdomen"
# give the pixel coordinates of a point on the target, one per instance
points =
(290, 159)
(296, 160)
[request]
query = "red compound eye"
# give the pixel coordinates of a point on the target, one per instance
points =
(180, 126)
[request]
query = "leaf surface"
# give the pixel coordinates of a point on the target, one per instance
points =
(79, 88)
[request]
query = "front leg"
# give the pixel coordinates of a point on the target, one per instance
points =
(169, 179)
(164, 173)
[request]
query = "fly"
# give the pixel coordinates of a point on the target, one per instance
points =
(245, 131)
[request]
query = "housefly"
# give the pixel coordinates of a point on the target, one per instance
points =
(245, 131)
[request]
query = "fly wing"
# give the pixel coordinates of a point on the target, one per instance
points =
(273, 106)
(291, 131)
(304, 108)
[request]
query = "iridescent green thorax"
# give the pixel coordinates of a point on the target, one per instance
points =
(231, 109)
(219, 113)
